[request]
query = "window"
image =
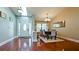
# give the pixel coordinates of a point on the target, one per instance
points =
(41, 26)
(24, 27)
(44, 27)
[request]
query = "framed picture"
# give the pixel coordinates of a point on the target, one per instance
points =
(3, 15)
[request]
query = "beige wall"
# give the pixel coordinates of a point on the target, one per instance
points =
(71, 17)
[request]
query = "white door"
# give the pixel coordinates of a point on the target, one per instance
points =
(23, 27)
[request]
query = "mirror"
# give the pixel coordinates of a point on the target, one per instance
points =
(59, 24)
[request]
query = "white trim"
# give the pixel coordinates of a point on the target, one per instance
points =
(4, 42)
(71, 39)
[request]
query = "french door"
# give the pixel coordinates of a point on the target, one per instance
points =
(22, 27)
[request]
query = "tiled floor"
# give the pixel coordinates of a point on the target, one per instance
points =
(21, 44)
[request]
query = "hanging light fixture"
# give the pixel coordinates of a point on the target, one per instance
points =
(23, 11)
(20, 10)
(47, 18)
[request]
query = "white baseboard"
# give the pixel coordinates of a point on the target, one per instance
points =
(71, 39)
(4, 42)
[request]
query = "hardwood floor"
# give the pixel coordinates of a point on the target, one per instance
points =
(20, 44)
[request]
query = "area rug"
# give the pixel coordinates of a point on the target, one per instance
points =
(51, 40)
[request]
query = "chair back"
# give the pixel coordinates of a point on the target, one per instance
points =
(53, 33)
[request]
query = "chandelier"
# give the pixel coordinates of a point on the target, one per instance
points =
(47, 18)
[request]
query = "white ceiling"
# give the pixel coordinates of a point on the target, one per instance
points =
(15, 10)
(39, 13)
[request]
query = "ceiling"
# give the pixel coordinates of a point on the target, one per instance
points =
(15, 10)
(39, 13)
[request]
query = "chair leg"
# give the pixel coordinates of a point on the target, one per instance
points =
(55, 37)
(51, 37)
